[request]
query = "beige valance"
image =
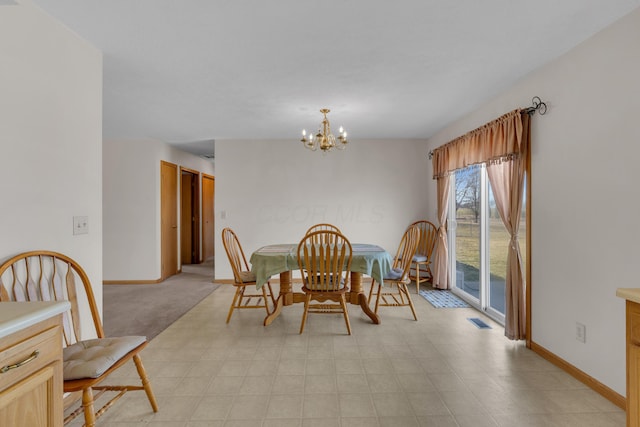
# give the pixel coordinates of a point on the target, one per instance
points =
(494, 142)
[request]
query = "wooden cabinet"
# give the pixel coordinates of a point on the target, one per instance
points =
(31, 376)
(633, 363)
(632, 311)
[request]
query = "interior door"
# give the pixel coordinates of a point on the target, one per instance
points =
(186, 215)
(168, 219)
(189, 216)
(208, 240)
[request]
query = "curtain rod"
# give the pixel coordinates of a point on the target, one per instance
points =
(536, 105)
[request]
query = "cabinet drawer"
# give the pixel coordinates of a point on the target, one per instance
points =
(46, 343)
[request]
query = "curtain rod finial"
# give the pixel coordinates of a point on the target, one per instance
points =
(537, 105)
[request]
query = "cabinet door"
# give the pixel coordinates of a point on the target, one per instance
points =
(31, 402)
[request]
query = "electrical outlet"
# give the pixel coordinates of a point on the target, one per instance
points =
(80, 225)
(581, 332)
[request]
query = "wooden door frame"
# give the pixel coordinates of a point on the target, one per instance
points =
(195, 197)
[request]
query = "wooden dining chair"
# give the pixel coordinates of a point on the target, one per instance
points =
(325, 274)
(424, 252)
(51, 276)
(395, 292)
(243, 278)
(323, 238)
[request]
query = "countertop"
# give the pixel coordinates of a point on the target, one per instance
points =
(631, 294)
(15, 316)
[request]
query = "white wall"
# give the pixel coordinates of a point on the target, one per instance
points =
(273, 191)
(50, 139)
(585, 152)
(131, 205)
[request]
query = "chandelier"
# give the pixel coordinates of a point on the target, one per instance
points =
(324, 138)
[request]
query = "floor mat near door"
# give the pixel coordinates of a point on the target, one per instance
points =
(443, 299)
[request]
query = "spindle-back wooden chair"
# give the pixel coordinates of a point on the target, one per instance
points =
(398, 278)
(88, 356)
(325, 272)
(424, 252)
(243, 278)
(323, 238)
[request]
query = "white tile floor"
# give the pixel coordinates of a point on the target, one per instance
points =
(438, 371)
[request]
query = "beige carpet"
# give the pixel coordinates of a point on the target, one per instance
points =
(149, 309)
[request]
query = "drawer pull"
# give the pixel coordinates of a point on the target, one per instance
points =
(33, 356)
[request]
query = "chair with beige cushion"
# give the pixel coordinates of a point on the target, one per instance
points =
(243, 278)
(325, 273)
(422, 258)
(51, 276)
(395, 292)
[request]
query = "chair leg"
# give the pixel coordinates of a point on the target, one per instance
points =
(306, 312)
(378, 299)
(233, 303)
(419, 278)
(406, 292)
(273, 298)
(373, 281)
(345, 313)
(429, 274)
(87, 405)
(145, 382)
(402, 292)
(266, 300)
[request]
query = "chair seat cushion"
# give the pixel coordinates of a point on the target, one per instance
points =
(247, 276)
(419, 258)
(394, 274)
(91, 358)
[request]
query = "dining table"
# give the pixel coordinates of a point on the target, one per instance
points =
(282, 259)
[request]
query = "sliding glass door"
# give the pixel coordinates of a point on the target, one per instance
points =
(465, 232)
(478, 242)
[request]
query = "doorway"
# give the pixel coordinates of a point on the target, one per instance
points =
(168, 219)
(189, 216)
(478, 242)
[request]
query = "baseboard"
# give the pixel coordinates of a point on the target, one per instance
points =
(131, 282)
(609, 394)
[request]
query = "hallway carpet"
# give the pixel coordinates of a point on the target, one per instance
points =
(149, 309)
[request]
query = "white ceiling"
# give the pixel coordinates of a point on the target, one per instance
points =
(192, 71)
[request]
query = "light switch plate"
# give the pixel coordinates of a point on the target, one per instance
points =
(581, 332)
(80, 225)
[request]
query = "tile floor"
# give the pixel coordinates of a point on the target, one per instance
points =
(438, 371)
